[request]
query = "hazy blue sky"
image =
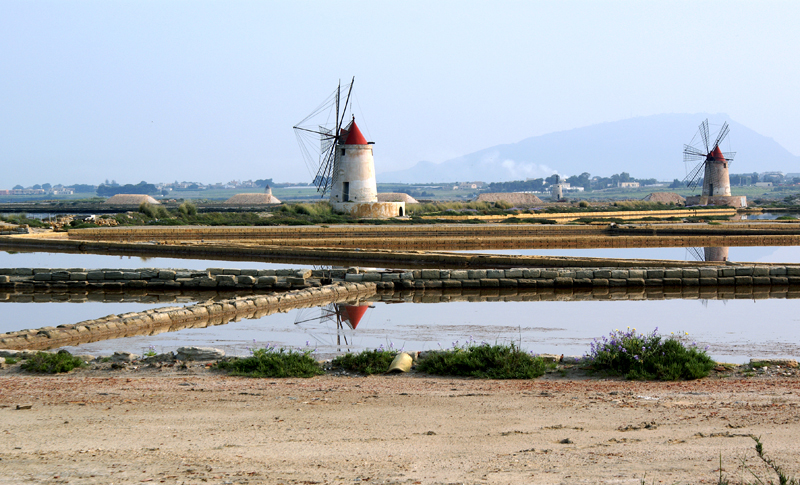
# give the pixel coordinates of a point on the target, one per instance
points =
(208, 91)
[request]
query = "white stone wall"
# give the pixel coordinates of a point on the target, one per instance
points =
(356, 167)
(716, 180)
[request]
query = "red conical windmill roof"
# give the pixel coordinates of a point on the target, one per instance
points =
(716, 155)
(352, 314)
(354, 136)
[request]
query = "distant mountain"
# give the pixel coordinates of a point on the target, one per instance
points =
(645, 147)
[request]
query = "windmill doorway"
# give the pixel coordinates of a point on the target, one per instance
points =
(400, 214)
(345, 191)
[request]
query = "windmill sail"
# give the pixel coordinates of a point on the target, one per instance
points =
(318, 134)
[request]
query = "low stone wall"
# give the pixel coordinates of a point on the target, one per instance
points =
(174, 318)
(154, 278)
(732, 275)
(218, 279)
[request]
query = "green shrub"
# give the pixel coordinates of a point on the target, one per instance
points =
(273, 362)
(188, 209)
(484, 360)
(153, 211)
(639, 356)
(786, 218)
(366, 362)
(11, 360)
(48, 363)
(583, 203)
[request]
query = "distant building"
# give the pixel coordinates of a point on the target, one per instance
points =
(629, 185)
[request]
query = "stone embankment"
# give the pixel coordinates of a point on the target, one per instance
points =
(270, 280)
(154, 278)
(204, 314)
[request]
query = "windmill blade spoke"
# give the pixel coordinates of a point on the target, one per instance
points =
(729, 155)
(723, 132)
(699, 256)
(693, 178)
(704, 134)
(692, 154)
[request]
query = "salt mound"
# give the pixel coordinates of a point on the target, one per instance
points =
(666, 198)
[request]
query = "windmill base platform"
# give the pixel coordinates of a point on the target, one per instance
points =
(735, 201)
(377, 210)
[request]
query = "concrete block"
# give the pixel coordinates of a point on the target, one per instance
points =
(790, 271)
(548, 274)
(617, 282)
(779, 280)
(726, 281)
(232, 271)
(112, 275)
(581, 274)
(708, 272)
(600, 282)
(430, 274)
(470, 283)
(206, 282)
(777, 271)
(248, 280)
(514, 273)
(490, 282)
(761, 271)
(708, 281)
(637, 274)
(527, 282)
(78, 276)
(655, 273)
(654, 281)
(691, 281)
(407, 276)
(690, 273)
(433, 283)
(459, 274)
(762, 280)
(42, 277)
(635, 282)
(292, 280)
(228, 281)
(166, 274)
(497, 273)
(4, 279)
(746, 271)
(29, 272)
(672, 281)
(619, 274)
(582, 282)
(131, 275)
(530, 273)
(451, 283)
(267, 280)
(444, 274)
(562, 282)
(672, 273)
(215, 271)
(743, 280)
(509, 282)
(248, 272)
(388, 277)
(727, 272)
(354, 277)
(371, 276)
(602, 273)
(476, 274)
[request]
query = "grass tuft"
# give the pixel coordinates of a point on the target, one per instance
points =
(273, 362)
(648, 357)
(365, 362)
(485, 361)
(47, 363)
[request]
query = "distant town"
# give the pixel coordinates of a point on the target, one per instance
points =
(575, 184)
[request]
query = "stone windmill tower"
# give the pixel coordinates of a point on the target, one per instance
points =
(344, 164)
(714, 165)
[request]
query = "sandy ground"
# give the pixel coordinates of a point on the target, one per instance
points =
(171, 425)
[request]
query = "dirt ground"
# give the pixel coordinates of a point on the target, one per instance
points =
(194, 425)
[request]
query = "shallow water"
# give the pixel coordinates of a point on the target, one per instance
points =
(734, 330)
(748, 254)
(90, 261)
